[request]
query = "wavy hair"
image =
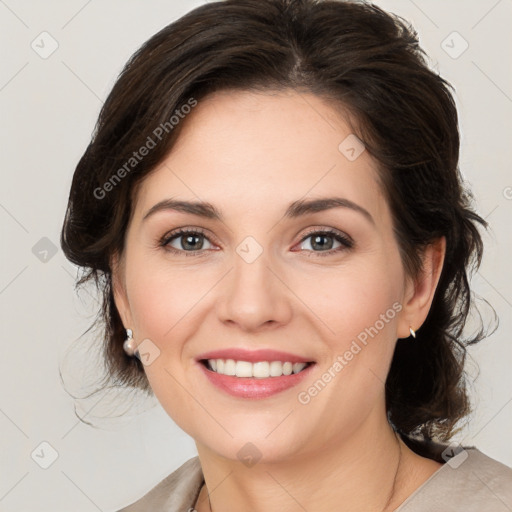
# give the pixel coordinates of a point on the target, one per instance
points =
(368, 64)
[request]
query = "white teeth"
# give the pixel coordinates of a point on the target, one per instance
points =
(276, 369)
(259, 370)
(243, 369)
(229, 367)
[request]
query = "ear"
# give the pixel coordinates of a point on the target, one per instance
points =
(419, 292)
(119, 291)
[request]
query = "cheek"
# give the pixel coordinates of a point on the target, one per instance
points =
(163, 296)
(358, 309)
(358, 312)
(162, 304)
(348, 301)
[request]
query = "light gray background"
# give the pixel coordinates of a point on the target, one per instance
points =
(49, 107)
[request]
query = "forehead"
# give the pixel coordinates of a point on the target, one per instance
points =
(245, 150)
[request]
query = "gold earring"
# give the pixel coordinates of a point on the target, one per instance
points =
(412, 331)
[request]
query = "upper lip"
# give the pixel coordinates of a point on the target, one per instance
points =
(253, 356)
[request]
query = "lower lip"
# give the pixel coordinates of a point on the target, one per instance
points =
(250, 387)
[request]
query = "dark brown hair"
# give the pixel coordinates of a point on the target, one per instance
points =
(363, 61)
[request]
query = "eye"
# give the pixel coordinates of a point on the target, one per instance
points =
(185, 241)
(191, 242)
(323, 241)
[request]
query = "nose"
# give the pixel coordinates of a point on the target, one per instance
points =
(254, 296)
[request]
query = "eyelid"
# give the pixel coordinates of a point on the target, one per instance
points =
(174, 233)
(344, 239)
(328, 231)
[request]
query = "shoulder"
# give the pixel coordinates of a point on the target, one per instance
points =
(178, 491)
(469, 481)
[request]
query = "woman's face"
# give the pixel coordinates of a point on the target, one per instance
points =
(261, 279)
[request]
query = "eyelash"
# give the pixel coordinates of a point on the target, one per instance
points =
(346, 242)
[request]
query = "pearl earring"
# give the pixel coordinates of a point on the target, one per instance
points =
(413, 332)
(129, 343)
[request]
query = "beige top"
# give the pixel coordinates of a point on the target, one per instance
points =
(469, 482)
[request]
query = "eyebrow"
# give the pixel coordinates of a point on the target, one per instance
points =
(296, 209)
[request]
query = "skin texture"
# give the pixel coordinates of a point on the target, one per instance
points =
(251, 155)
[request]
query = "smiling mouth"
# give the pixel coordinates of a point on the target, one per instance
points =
(258, 370)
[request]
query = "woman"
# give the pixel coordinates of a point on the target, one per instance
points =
(272, 206)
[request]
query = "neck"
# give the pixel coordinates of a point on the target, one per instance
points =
(367, 471)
